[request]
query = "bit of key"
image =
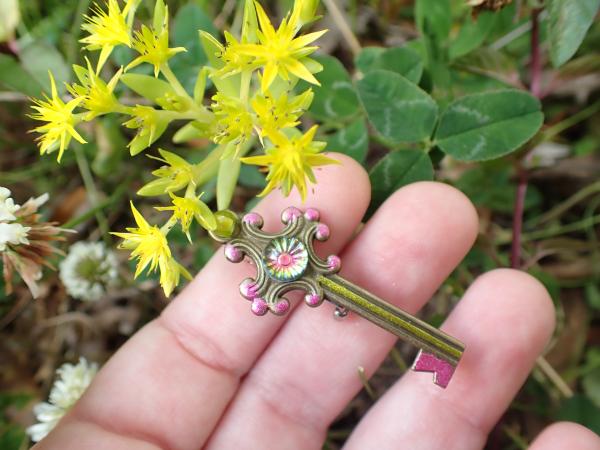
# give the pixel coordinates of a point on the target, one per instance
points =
(287, 261)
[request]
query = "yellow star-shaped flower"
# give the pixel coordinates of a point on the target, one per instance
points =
(290, 161)
(280, 52)
(61, 121)
(107, 29)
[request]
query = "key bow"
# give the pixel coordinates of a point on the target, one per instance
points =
(287, 261)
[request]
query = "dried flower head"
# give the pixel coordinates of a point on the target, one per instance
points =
(26, 242)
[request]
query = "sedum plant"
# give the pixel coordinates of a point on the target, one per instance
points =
(255, 107)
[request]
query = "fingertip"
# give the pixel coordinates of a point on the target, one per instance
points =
(524, 297)
(563, 435)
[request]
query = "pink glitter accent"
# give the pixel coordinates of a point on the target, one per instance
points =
(259, 306)
(233, 254)
(313, 299)
(282, 306)
(334, 262)
(290, 214)
(285, 259)
(253, 219)
(442, 370)
(312, 214)
(249, 289)
(322, 233)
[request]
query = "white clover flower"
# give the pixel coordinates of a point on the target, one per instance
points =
(88, 270)
(12, 233)
(7, 206)
(72, 381)
(4, 193)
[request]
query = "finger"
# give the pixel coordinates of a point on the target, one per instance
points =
(309, 373)
(170, 383)
(505, 320)
(566, 435)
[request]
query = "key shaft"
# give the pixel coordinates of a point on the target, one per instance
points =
(347, 295)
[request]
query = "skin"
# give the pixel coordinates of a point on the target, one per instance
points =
(208, 374)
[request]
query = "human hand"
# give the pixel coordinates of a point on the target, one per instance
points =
(207, 373)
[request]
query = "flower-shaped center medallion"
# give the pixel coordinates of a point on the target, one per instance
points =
(285, 259)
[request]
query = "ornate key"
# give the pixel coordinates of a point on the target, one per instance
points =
(287, 261)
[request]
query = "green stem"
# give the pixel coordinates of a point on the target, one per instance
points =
(553, 231)
(116, 195)
(201, 113)
(245, 87)
(580, 116)
(90, 187)
(563, 207)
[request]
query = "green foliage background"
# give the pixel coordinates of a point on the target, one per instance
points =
(435, 92)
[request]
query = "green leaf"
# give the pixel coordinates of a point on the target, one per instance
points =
(40, 57)
(352, 140)
(190, 19)
(581, 410)
(148, 86)
(569, 21)
(488, 125)
(336, 97)
(367, 57)
(395, 170)
(160, 13)
(398, 109)
(229, 171)
(15, 78)
(251, 176)
(472, 34)
(403, 60)
(433, 18)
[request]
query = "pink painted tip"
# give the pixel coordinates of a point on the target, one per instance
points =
(334, 262)
(249, 289)
(322, 233)
(233, 253)
(259, 307)
(313, 300)
(312, 214)
(442, 370)
(290, 214)
(281, 307)
(253, 219)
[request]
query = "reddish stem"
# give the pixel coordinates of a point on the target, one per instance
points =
(535, 68)
(515, 254)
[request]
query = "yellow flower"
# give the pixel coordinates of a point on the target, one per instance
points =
(177, 174)
(233, 60)
(170, 274)
(153, 46)
(234, 122)
(308, 10)
(107, 29)
(149, 245)
(97, 96)
(280, 52)
(150, 123)
(61, 122)
(283, 112)
(147, 242)
(290, 161)
(186, 209)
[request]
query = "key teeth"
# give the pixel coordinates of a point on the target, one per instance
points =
(442, 370)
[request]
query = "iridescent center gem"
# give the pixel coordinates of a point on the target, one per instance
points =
(285, 259)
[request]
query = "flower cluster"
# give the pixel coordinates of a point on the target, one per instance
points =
(25, 240)
(89, 270)
(256, 106)
(72, 381)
